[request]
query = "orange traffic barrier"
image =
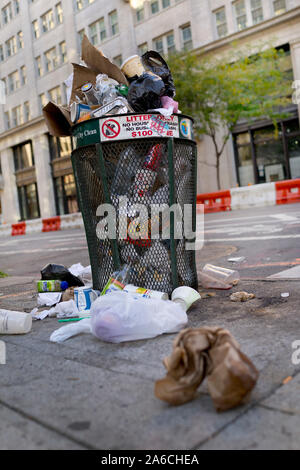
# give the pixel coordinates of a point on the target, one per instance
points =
(215, 202)
(287, 191)
(51, 224)
(18, 229)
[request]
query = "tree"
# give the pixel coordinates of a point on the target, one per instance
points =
(220, 92)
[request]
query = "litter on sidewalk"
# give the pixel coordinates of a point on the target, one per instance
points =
(216, 277)
(14, 323)
(241, 296)
(210, 352)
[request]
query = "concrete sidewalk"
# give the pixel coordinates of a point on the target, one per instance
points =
(86, 394)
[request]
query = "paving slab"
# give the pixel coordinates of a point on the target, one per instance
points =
(258, 429)
(19, 432)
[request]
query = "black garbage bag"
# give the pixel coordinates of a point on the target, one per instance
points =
(154, 62)
(145, 92)
(59, 272)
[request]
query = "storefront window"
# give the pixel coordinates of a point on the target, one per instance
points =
(28, 200)
(65, 192)
(60, 147)
(270, 156)
(244, 157)
(294, 156)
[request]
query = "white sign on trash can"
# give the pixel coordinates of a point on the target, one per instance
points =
(143, 126)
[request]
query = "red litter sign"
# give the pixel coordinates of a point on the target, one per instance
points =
(111, 129)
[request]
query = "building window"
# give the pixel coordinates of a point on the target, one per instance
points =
(240, 14)
(221, 24)
(80, 36)
(47, 21)
(7, 120)
(13, 82)
(20, 40)
(65, 194)
(26, 111)
(171, 43)
(1, 54)
(80, 4)
(59, 13)
(28, 201)
(159, 45)
(39, 67)
(43, 100)
(23, 156)
(51, 60)
(140, 13)
(256, 11)
(35, 29)
(187, 42)
(11, 46)
(244, 159)
(279, 7)
(63, 52)
(113, 19)
(165, 3)
(7, 14)
(23, 75)
(118, 60)
(97, 32)
(55, 95)
(142, 48)
(17, 116)
(154, 6)
(17, 7)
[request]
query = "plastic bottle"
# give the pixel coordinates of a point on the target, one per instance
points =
(145, 178)
(118, 280)
(14, 323)
(52, 286)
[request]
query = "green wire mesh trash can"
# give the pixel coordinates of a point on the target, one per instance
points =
(138, 159)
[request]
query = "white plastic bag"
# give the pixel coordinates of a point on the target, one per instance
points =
(72, 329)
(121, 316)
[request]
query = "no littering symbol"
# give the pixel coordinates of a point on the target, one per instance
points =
(111, 129)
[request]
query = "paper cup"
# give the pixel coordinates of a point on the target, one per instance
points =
(185, 296)
(132, 66)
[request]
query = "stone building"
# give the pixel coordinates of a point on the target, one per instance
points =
(38, 41)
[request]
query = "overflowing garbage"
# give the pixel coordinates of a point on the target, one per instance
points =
(97, 88)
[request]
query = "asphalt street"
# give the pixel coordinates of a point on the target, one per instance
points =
(86, 394)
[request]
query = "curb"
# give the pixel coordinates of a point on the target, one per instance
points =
(257, 195)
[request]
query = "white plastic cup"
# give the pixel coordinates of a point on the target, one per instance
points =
(227, 276)
(132, 66)
(185, 296)
(14, 323)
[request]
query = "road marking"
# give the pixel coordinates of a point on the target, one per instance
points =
(262, 265)
(292, 273)
(284, 217)
(239, 218)
(246, 239)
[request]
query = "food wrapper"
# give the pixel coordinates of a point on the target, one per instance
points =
(210, 352)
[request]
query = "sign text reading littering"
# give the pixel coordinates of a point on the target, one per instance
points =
(138, 126)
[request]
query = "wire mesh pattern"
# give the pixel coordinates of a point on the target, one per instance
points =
(141, 171)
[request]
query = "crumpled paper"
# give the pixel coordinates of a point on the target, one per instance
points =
(210, 352)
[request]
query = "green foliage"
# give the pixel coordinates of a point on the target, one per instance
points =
(2, 274)
(220, 92)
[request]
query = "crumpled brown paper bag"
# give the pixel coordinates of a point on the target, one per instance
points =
(210, 352)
